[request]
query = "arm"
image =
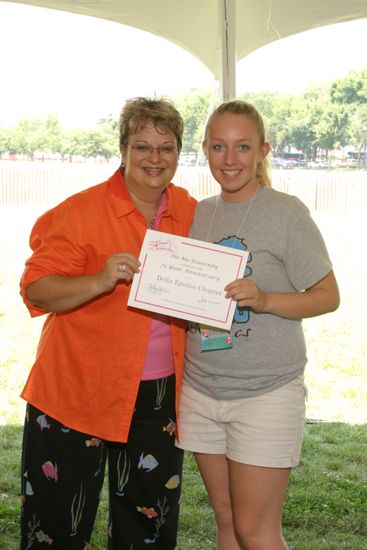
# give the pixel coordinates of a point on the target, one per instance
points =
(62, 293)
(322, 297)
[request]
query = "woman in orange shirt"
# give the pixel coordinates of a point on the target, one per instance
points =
(106, 379)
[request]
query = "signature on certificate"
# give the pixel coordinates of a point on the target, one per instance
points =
(206, 301)
(156, 289)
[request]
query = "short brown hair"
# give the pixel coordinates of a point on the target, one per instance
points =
(137, 112)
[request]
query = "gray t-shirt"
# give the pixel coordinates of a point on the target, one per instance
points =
(286, 254)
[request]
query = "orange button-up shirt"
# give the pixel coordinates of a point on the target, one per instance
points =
(90, 359)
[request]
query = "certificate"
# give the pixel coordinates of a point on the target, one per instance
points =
(185, 278)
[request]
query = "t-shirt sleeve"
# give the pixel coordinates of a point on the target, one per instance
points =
(306, 257)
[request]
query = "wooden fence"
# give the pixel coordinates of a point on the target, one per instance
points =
(46, 184)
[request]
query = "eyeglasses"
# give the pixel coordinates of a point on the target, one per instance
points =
(145, 149)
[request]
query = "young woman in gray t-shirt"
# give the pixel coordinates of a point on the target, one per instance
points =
(243, 401)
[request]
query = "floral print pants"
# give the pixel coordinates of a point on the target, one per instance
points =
(63, 472)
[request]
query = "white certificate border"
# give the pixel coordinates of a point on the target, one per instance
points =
(227, 313)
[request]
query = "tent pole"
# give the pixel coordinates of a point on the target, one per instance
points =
(228, 49)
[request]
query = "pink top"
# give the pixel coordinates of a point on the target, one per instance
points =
(159, 357)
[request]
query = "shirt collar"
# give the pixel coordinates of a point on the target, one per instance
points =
(123, 204)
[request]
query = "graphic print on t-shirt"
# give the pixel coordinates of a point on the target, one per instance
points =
(242, 314)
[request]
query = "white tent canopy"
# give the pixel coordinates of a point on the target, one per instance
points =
(217, 32)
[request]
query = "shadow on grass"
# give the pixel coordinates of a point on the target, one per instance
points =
(325, 507)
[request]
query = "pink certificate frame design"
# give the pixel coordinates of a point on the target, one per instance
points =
(185, 278)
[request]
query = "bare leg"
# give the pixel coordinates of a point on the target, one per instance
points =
(257, 496)
(214, 471)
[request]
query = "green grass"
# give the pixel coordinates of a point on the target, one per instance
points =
(325, 507)
(10, 446)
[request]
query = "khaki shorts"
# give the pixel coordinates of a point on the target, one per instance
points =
(266, 430)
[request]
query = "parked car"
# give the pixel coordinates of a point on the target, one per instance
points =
(281, 164)
(319, 164)
(352, 163)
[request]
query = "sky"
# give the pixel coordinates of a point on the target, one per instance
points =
(82, 69)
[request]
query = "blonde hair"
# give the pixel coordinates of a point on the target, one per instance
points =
(238, 107)
(137, 112)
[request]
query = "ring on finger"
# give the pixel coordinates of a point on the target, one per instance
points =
(121, 267)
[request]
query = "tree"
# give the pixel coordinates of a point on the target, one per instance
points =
(358, 133)
(350, 90)
(352, 93)
(4, 140)
(332, 128)
(279, 123)
(110, 137)
(52, 135)
(29, 137)
(322, 117)
(194, 110)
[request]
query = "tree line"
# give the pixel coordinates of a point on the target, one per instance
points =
(319, 120)
(45, 138)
